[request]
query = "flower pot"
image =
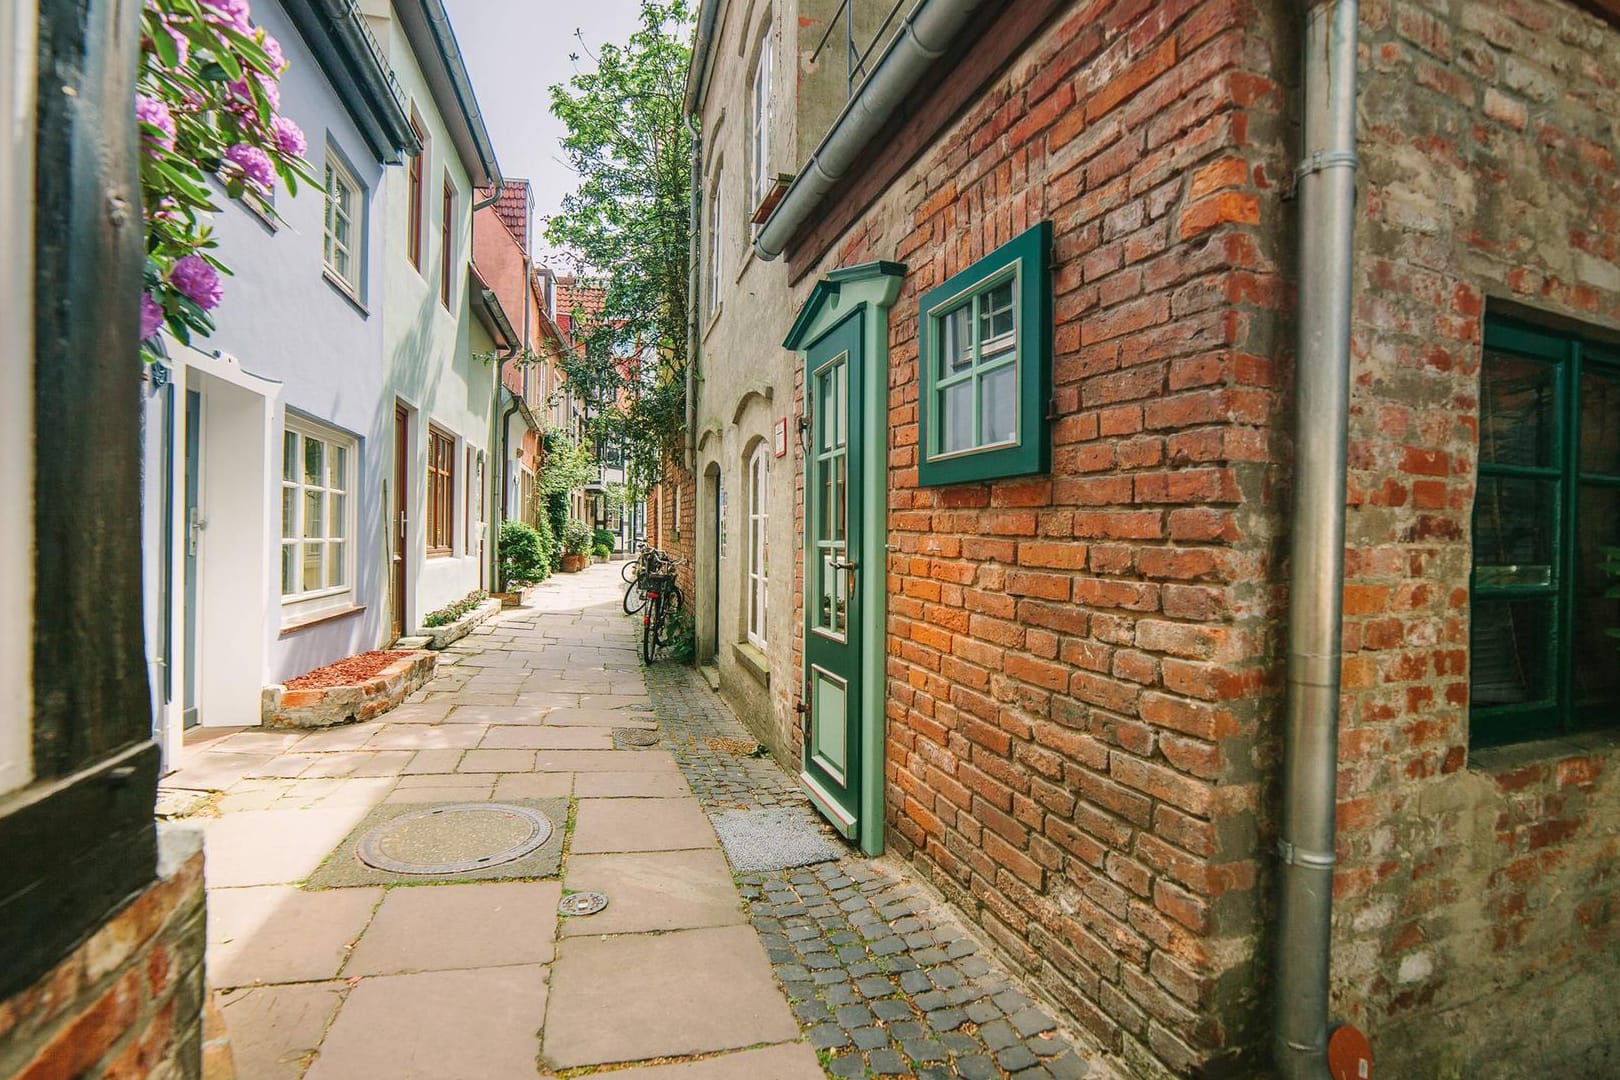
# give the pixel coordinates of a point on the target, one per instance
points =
(573, 564)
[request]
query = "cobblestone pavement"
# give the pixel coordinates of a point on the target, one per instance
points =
(884, 979)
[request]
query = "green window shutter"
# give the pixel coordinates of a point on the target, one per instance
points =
(985, 354)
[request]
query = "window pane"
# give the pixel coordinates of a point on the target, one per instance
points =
(337, 523)
(289, 511)
(998, 391)
(334, 564)
(312, 565)
(289, 455)
(289, 568)
(1513, 531)
(996, 312)
(1508, 652)
(956, 340)
(1597, 617)
(314, 455)
(1600, 421)
(314, 518)
(956, 417)
(1516, 411)
(338, 476)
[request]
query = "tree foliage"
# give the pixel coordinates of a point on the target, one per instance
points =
(627, 226)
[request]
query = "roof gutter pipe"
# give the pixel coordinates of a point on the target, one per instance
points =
(702, 45)
(1326, 180)
(922, 39)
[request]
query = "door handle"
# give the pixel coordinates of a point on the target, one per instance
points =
(194, 527)
(851, 567)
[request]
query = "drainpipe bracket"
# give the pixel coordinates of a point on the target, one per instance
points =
(1320, 161)
(1313, 860)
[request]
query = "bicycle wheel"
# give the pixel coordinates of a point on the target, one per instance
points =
(631, 570)
(635, 596)
(674, 604)
(652, 618)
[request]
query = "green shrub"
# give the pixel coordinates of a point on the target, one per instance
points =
(556, 516)
(451, 612)
(576, 538)
(605, 538)
(522, 562)
(550, 547)
(682, 635)
(601, 551)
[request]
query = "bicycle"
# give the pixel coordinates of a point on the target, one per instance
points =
(648, 561)
(664, 604)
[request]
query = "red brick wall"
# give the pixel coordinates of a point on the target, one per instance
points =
(1489, 139)
(679, 540)
(1077, 660)
(1084, 668)
(127, 1003)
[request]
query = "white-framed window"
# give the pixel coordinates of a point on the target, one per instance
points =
(317, 517)
(344, 224)
(760, 133)
(677, 526)
(759, 549)
(716, 248)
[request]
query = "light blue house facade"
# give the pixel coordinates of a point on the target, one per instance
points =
(268, 444)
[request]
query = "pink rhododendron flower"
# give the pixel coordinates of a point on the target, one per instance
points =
(233, 13)
(289, 136)
(272, 49)
(272, 92)
(151, 111)
(254, 163)
(197, 281)
(151, 315)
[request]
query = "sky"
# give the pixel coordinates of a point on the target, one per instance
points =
(514, 51)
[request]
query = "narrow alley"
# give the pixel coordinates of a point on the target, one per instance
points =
(323, 965)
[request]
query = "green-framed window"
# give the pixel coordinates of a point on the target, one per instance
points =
(985, 349)
(1544, 638)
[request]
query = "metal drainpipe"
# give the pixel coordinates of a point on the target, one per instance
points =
(694, 245)
(1326, 181)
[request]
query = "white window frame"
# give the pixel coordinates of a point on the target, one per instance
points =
(338, 172)
(758, 572)
(760, 134)
(304, 603)
(676, 529)
(716, 245)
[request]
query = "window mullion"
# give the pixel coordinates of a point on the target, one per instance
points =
(973, 366)
(1565, 539)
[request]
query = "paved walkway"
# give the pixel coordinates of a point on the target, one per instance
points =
(835, 970)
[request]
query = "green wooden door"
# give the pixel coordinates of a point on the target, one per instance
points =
(833, 578)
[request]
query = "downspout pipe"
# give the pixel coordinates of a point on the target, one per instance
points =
(1326, 182)
(694, 246)
(922, 39)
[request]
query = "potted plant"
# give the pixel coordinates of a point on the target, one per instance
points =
(600, 553)
(523, 562)
(576, 544)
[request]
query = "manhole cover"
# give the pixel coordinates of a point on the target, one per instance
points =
(641, 738)
(582, 903)
(454, 839)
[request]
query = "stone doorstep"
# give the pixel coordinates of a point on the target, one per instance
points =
(330, 706)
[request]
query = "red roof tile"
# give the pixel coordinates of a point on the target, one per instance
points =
(513, 208)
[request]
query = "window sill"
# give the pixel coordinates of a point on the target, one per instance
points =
(443, 553)
(1493, 760)
(753, 661)
(345, 291)
(307, 621)
(714, 319)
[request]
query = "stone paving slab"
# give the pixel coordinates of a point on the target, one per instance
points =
(506, 713)
(605, 761)
(629, 785)
(438, 1025)
(792, 1061)
(275, 1030)
(633, 997)
(424, 737)
(654, 891)
(608, 718)
(610, 825)
(541, 738)
(269, 847)
(281, 934)
(446, 927)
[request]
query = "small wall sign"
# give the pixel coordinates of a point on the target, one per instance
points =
(781, 437)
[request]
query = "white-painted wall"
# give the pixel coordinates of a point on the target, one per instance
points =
(17, 73)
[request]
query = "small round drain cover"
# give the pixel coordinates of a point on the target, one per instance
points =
(454, 839)
(582, 903)
(642, 738)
